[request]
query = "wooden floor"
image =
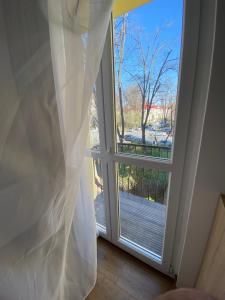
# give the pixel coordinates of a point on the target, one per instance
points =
(123, 277)
(142, 221)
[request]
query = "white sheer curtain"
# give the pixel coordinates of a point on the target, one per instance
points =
(50, 52)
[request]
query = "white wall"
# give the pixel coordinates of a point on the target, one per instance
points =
(204, 175)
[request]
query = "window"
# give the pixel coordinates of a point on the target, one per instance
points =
(142, 124)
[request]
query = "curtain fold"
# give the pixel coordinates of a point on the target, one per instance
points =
(50, 51)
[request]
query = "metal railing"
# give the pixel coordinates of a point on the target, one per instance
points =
(142, 149)
(146, 183)
(137, 181)
(145, 149)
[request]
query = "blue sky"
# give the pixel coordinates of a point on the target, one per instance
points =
(158, 12)
(155, 14)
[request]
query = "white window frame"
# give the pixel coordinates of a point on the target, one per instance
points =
(108, 156)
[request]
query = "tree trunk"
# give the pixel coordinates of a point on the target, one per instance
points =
(121, 113)
(121, 58)
(143, 133)
(119, 135)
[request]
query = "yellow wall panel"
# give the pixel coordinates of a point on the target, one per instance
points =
(121, 7)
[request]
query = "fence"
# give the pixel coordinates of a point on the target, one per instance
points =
(143, 182)
(145, 149)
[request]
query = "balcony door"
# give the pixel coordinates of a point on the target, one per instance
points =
(139, 123)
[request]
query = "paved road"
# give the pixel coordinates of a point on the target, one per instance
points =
(150, 135)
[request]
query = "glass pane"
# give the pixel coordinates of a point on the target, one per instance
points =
(143, 200)
(147, 44)
(95, 172)
(93, 141)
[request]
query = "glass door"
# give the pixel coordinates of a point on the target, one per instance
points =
(145, 73)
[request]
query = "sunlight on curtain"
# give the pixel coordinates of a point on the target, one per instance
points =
(49, 56)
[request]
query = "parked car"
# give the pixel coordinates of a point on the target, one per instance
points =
(163, 124)
(165, 143)
(167, 129)
(128, 137)
(132, 138)
(150, 127)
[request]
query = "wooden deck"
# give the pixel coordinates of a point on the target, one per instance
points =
(142, 221)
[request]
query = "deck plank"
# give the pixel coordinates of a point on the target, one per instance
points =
(142, 221)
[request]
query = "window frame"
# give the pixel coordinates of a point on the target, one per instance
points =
(108, 155)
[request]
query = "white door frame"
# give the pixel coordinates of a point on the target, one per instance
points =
(108, 155)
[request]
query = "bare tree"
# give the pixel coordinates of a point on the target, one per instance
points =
(120, 28)
(153, 66)
(132, 109)
(168, 106)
